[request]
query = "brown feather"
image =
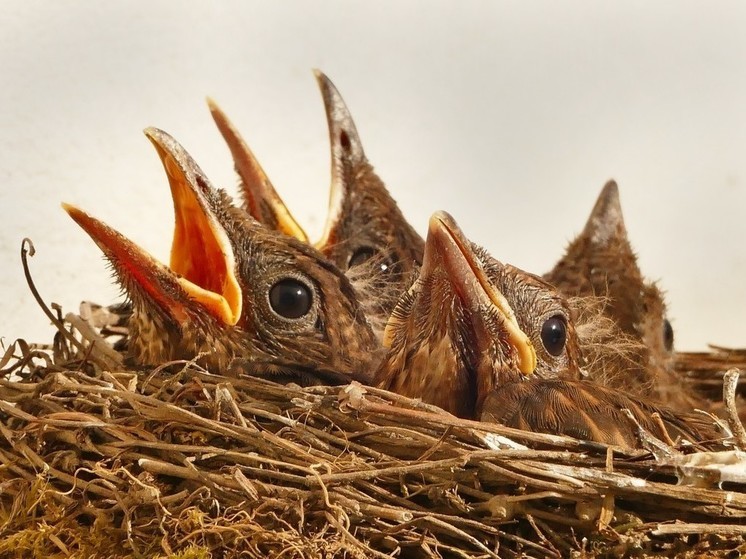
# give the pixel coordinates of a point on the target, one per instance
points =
(588, 411)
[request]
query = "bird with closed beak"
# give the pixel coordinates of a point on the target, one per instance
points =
(485, 340)
(600, 262)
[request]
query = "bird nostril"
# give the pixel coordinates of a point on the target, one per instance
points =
(344, 141)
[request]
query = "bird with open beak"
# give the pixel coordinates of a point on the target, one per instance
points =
(601, 262)
(485, 340)
(365, 234)
(235, 293)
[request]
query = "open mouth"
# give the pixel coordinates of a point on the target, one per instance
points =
(202, 265)
(472, 285)
(201, 253)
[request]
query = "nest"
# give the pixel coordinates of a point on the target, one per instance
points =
(101, 460)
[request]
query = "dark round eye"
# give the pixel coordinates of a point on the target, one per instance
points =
(667, 335)
(554, 335)
(361, 255)
(290, 298)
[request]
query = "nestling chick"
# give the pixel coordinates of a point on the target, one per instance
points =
(485, 340)
(366, 233)
(235, 292)
(471, 324)
(601, 262)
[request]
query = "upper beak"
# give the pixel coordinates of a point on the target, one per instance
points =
(202, 268)
(347, 153)
(606, 220)
(260, 197)
(447, 246)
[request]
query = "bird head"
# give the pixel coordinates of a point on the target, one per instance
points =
(365, 234)
(601, 262)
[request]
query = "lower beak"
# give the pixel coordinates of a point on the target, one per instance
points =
(202, 267)
(260, 197)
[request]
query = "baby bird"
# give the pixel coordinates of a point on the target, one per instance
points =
(471, 324)
(485, 340)
(366, 233)
(601, 262)
(235, 293)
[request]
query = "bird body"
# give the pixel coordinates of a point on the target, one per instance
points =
(589, 411)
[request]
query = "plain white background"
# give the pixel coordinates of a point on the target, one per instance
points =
(511, 115)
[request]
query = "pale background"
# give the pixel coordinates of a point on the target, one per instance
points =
(510, 115)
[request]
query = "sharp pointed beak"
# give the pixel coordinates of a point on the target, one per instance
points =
(201, 254)
(347, 152)
(135, 266)
(447, 246)
(260, 197)
(606, 220)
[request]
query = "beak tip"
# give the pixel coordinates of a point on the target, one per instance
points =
(157, 136)
(320, 77)
(73, 211)
(530, 359)
(439, 220)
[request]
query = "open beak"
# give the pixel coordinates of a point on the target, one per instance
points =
(201, 253)
(447, 246)
(347, 153)
(202, 266)
(260, 197)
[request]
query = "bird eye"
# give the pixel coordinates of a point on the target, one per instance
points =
(554, 335)
(667, 335)
(361, 255)
(290, 298)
